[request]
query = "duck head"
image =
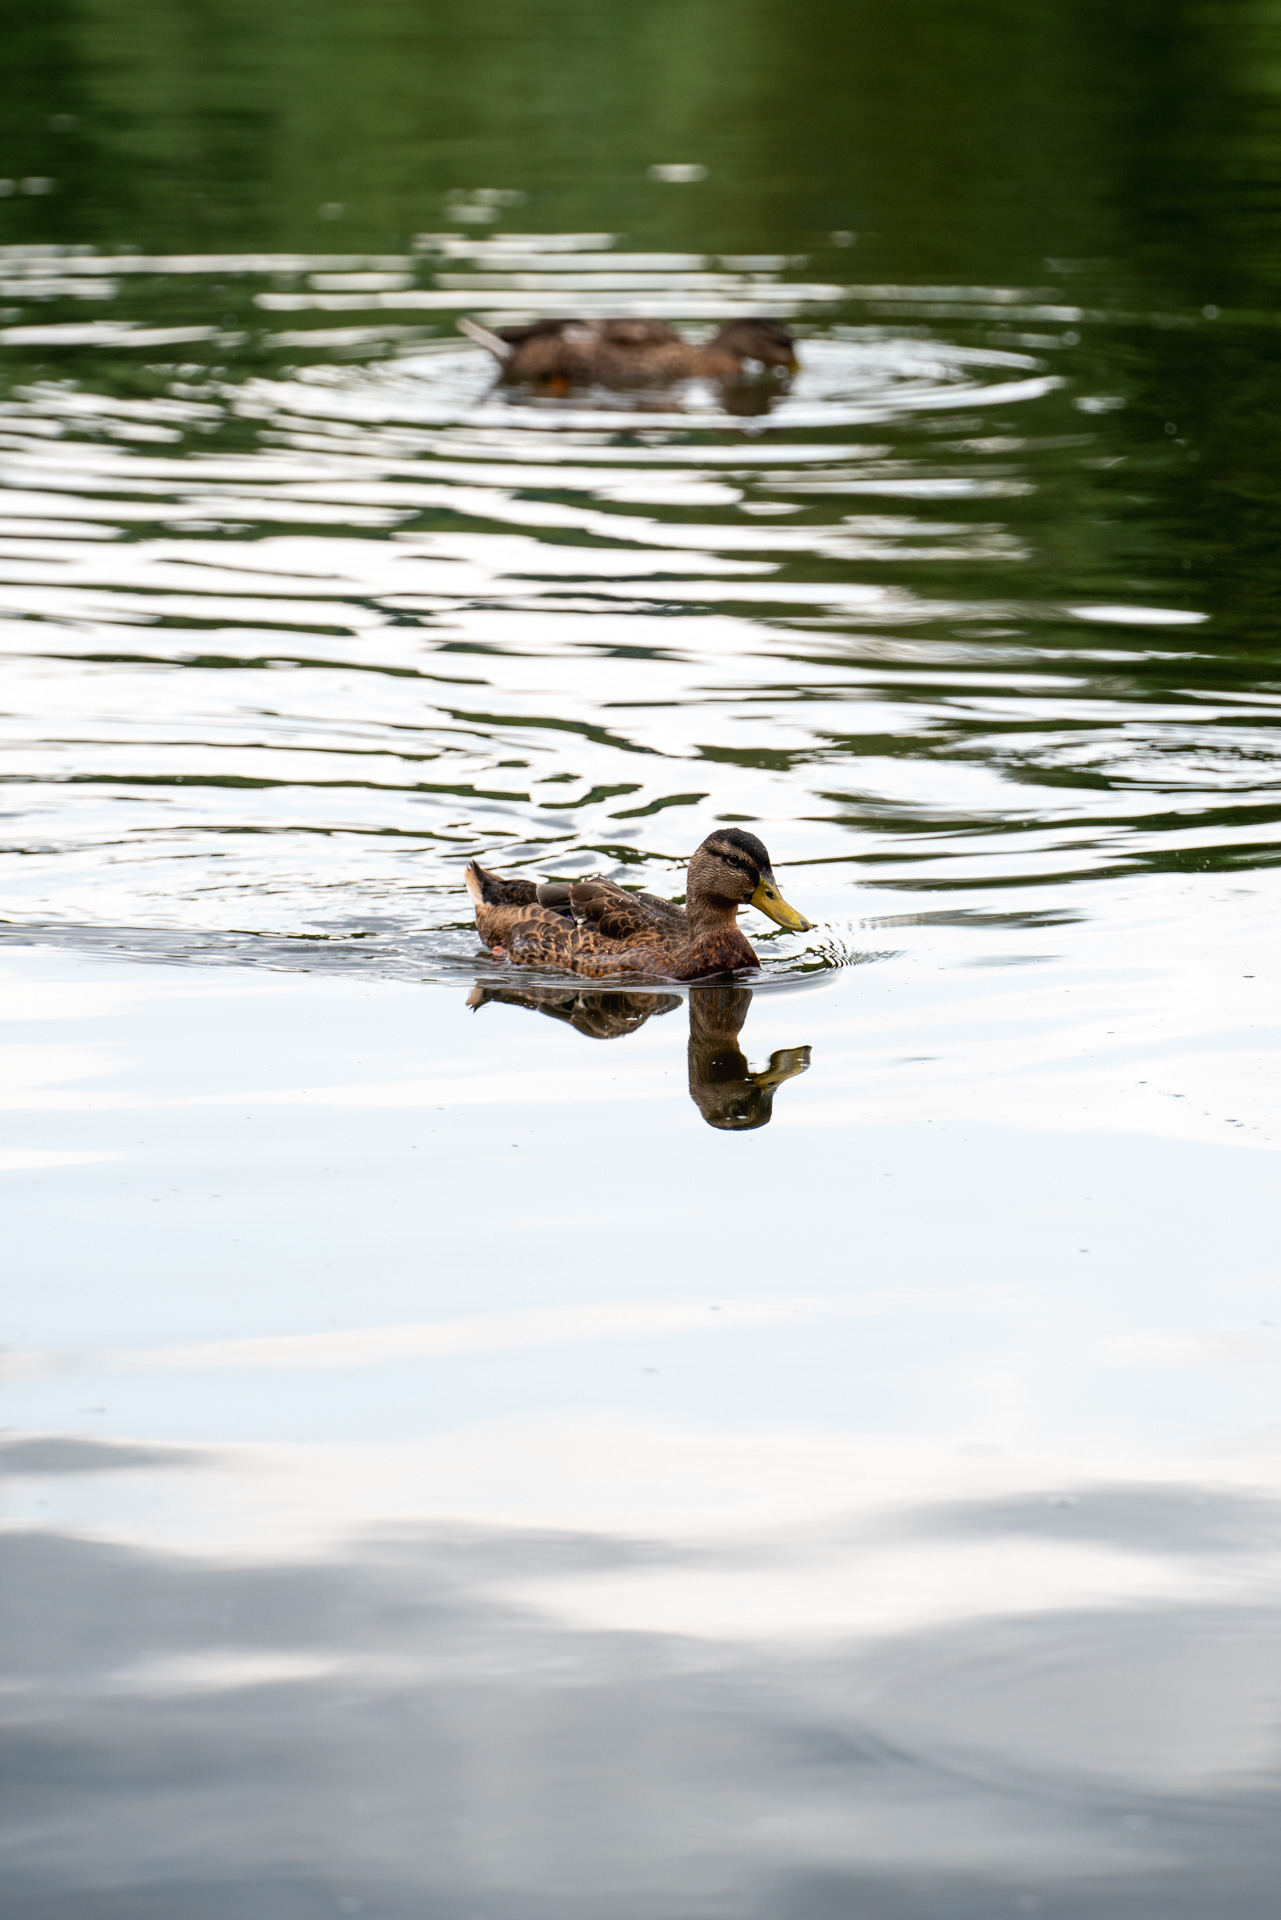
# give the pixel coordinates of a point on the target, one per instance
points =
(767, 341)
(732, 869)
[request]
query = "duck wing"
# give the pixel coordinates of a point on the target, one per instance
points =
(666, 909)
(639, 333)
(610, 908)
(629, 917)
(538, 330)
(620, 333)
(579, 349)
(620, 933)
(536, 937)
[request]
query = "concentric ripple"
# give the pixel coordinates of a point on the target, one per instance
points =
(302, 615)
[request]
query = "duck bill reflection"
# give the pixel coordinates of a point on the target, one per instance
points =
(772, 904)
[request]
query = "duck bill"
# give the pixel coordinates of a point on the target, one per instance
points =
(772, 904)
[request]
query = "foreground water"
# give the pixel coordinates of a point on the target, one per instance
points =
(480, 1447)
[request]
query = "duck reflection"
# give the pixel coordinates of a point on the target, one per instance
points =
(753, 395)
(601, 1016)
(722, 1084)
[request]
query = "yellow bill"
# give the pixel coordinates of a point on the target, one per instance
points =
(772, 904)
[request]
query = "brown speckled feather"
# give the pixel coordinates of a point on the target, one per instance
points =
(627, 917)
(666, 910)
(618, 352)
(625, 935)
(552, 942)
(632, 352)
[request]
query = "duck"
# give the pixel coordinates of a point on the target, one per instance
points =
(596, 928)
(624, 353)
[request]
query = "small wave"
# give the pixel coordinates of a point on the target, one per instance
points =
(442, 956)
(869, 375)
(293, 627)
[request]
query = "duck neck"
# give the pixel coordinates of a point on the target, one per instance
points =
(710, 913)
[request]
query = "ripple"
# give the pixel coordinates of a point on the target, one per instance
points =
(297, 622)
(872, 374)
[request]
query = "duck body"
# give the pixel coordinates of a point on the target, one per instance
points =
(626, 353)
(595, 928)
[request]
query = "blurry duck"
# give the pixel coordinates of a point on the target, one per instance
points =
(596, 928)
(628, 353)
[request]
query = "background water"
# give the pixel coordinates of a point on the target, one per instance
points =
(803, 1452)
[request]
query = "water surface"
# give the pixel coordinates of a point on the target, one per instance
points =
(477, 1445)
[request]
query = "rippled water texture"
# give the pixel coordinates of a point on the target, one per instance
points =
(320, 632)
(481, 1443)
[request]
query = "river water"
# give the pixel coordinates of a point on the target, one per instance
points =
(473, 1446)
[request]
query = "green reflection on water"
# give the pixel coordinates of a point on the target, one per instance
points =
(966, 142)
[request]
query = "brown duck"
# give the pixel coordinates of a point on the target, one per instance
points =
(595, 928)
(630, 353)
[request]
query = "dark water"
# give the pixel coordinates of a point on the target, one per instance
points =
(476, 1445)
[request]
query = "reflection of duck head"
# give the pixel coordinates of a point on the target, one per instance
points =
(721, 1083)
(749, 399)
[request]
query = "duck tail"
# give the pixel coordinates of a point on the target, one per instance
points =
(481, 885)
(492, 342)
